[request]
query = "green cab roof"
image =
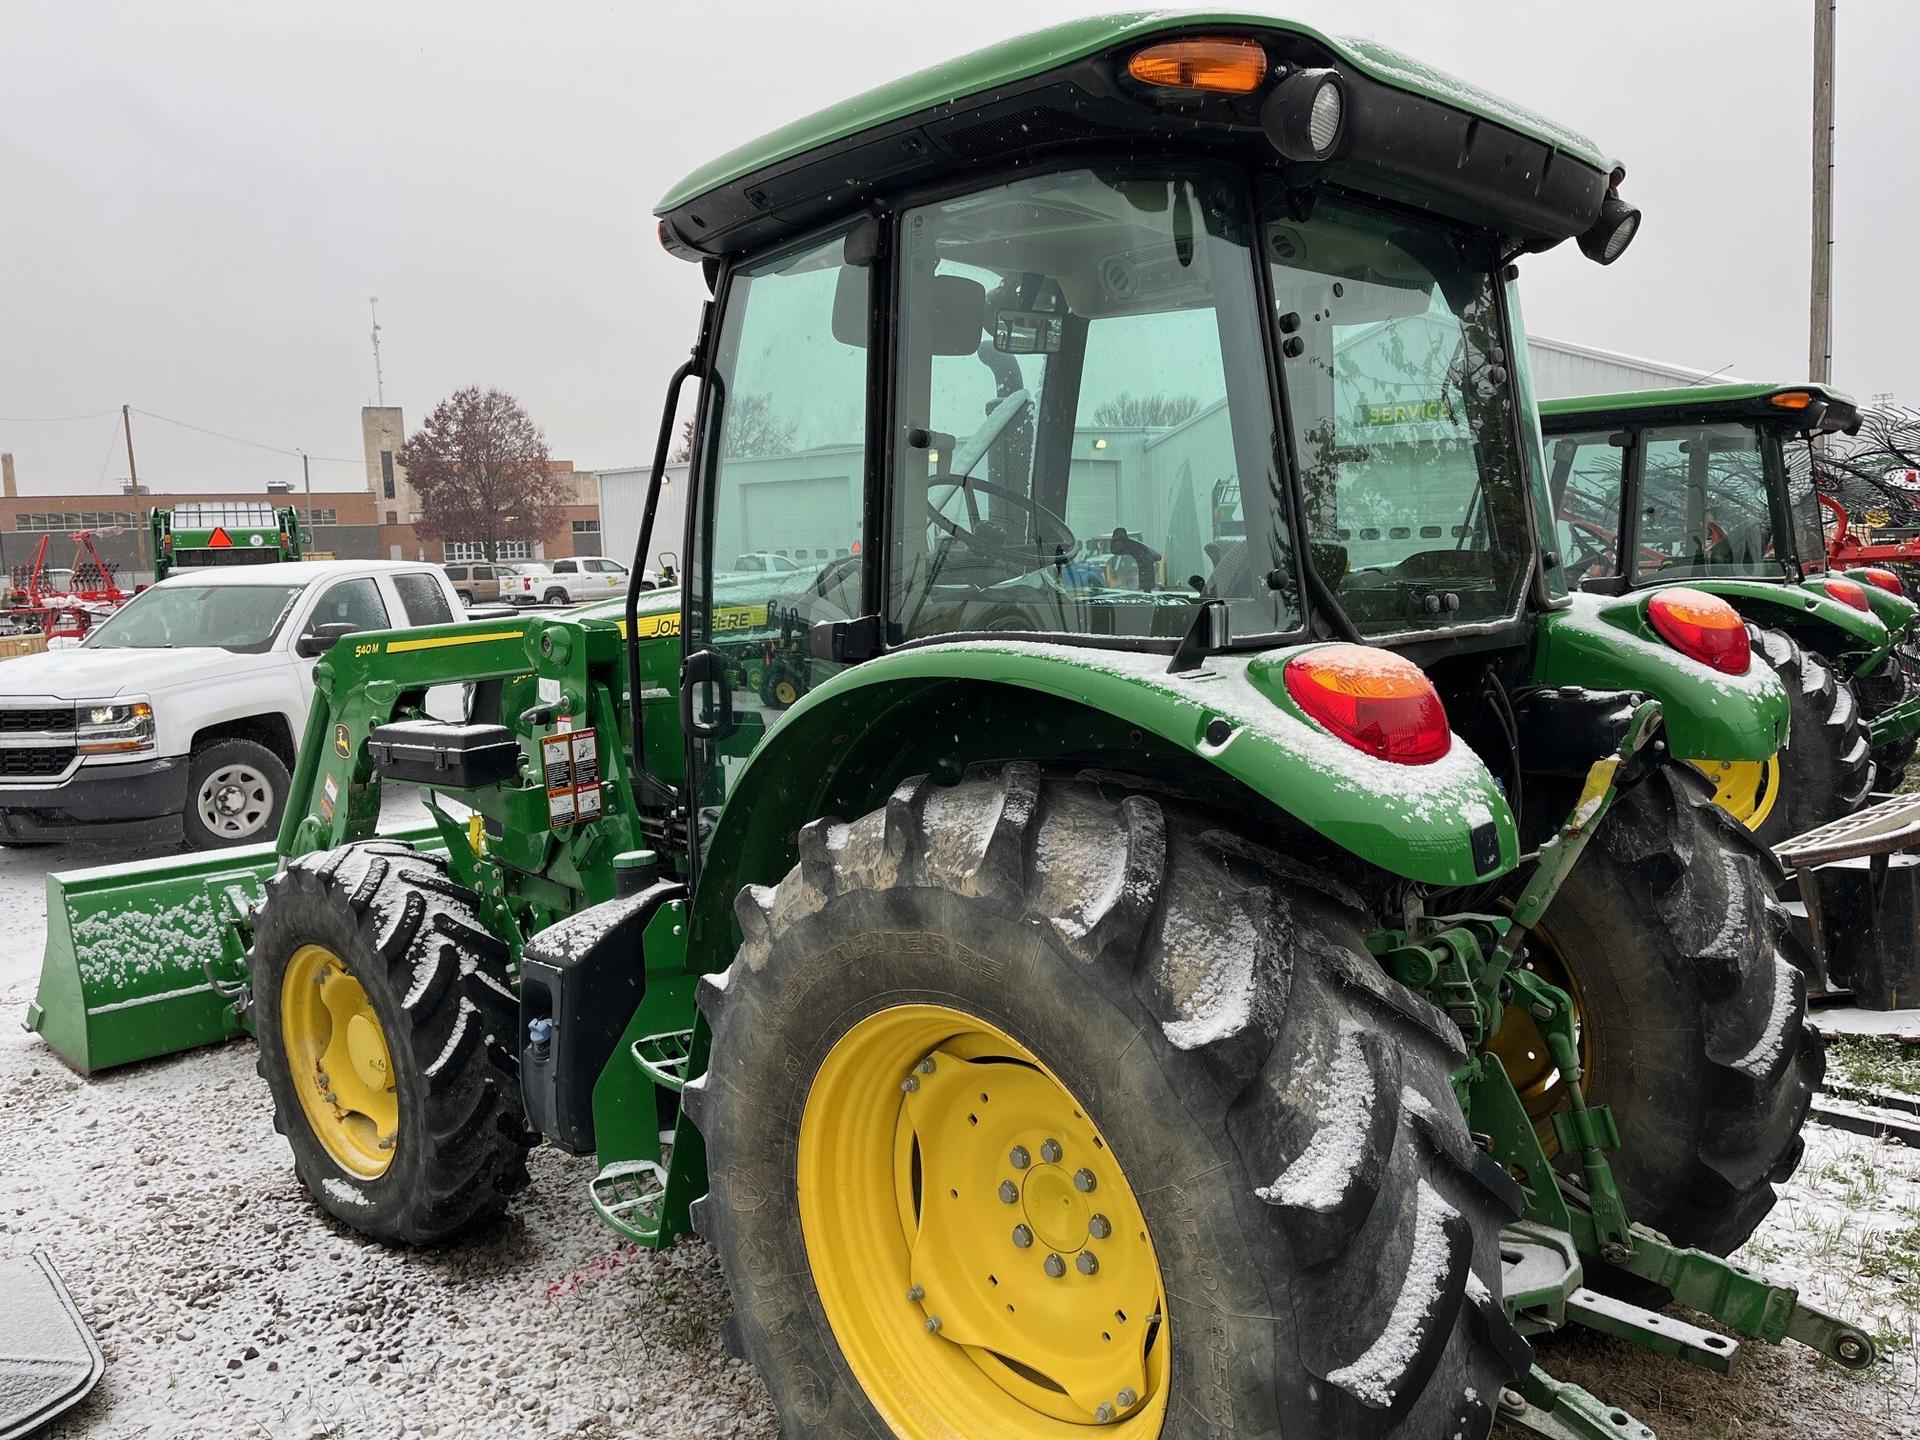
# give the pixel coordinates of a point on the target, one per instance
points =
(1743, 398)
(1027, 56)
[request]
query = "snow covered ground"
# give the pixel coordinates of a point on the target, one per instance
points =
(228, 1306)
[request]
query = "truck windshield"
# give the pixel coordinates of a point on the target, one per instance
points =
(243, 618)
(1394, 354)
(1085, 439)
(1704, 506)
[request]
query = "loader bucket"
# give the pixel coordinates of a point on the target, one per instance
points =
(134, 952)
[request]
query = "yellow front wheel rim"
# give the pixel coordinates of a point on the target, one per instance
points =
(1746, 789)
(338, 1057)
(976, 1245)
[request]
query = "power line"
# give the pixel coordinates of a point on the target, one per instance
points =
(51, 419)
(239, 440)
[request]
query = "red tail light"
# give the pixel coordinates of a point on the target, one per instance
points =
(1702, 626)
(1847, 592)
(1887, 580)
(1374, 700)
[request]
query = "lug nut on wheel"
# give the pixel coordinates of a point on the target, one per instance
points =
(1125, 1399)
(916, 1293)
(1104, 1413)
(1050, 1151)
(910, 1084)
(1020, 1158)
(933, 1325)
(1083, 1181)
(1099, 1227)
(1009, 1192)
(1022, 1236)
(1055, 1266)
(925, 1067)
(1086, 1262)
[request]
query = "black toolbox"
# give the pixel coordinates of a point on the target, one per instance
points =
(447, 755)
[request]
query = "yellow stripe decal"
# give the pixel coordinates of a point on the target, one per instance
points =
(441, 642)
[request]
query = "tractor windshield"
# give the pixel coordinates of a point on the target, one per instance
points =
(1704, 506)
(1085, 435)
(1403, 419)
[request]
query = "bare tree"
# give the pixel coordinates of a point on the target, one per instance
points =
(752, 430)
(482, 471)
(1161, 411)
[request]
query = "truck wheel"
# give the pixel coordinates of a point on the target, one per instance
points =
(236, 793)
(1035, 1104)
(1692, 1009)
(554, 597)
(1879, 692)
(465, 596)
(386, 1029)
(1826, 768)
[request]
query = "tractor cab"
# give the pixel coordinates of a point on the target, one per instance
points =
(1712, 482)
(1158, 343)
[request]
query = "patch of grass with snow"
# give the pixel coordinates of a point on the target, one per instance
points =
(1874, 1063)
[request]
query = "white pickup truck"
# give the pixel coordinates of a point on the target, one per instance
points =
(180, 716)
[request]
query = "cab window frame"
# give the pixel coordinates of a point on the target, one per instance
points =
(1248, 186)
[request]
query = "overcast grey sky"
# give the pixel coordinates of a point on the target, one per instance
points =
(197, 198)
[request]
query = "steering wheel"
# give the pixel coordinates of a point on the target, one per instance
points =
(1052, 540)
(968, 452)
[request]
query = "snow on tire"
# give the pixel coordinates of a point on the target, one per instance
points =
(1328, 1234)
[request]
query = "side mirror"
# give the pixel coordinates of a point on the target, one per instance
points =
(322, 638)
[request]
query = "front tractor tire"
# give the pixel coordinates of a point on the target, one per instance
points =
(385, 1027)
(1826, 768)
(1692, 1009)
(1036, 1104)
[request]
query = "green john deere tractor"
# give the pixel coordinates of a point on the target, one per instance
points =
(1128, 968)
(1712, 488)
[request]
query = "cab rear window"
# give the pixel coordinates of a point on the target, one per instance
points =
(423, 599)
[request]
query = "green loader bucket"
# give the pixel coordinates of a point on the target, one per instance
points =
(133, 952)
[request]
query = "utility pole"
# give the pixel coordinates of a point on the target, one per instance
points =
(306, 476)
(1820, 329)
(143, 533)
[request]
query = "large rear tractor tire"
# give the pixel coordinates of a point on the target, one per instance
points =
(386, 1031)
(1692, 1011)
(1036, 1104)
(1893, 683)
(1826, 768)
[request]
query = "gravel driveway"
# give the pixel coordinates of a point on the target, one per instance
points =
(228, 1306)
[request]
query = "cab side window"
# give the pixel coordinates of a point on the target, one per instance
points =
(1584, 476)
(352, 602)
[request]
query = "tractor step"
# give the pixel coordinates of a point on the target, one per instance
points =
(664, 1058)
(628, 1195)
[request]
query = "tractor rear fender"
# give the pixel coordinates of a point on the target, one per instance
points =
(1609, 644)
(935, 709)
(1854, 641)
(1896, 612)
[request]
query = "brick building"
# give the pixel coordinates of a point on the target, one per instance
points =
(373, 523)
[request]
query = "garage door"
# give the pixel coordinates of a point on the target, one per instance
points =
(800, 515)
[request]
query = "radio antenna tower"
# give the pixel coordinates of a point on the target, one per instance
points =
(379, 382)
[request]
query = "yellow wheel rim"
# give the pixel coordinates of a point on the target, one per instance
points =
(1745, 789)
(1522, 1049)
(338, 1057)
(976, 1245)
